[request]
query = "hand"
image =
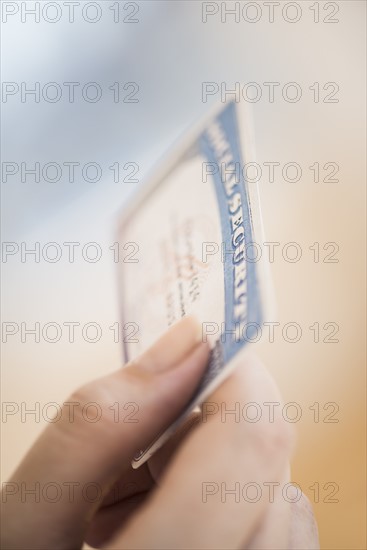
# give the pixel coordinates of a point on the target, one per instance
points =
(85, 488)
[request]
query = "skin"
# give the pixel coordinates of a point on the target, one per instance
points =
(160, 505)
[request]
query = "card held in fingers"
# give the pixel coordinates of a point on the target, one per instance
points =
(194, 245)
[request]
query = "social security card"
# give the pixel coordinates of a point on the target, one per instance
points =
(197, 231)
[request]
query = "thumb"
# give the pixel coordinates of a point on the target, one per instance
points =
(62, 480)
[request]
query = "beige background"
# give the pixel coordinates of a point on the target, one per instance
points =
(303, 212)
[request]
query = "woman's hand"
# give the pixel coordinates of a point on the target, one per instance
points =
(85, 489)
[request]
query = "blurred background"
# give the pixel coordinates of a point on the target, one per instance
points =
(156, 55)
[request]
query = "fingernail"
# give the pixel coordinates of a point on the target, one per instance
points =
(180, 339)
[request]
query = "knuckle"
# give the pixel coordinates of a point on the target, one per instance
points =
(304, 530)
(304, 506)
(92, 392)
(271, 438)
(91, 402)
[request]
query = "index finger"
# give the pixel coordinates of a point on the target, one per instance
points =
(199, 503)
